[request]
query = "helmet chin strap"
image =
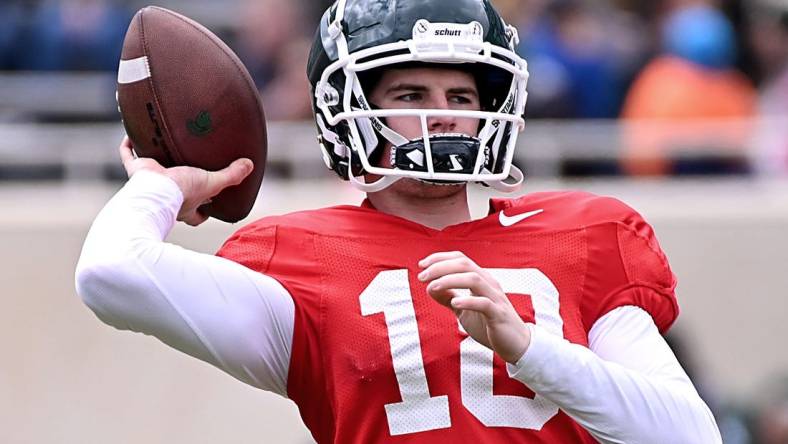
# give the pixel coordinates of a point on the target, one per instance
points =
(386, 181)
(504, 187)
(359, 182)
(378, 185)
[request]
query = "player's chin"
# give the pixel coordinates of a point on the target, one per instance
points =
(430, 189)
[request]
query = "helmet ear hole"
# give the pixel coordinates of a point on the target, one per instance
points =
(369, 79)
(493, 84)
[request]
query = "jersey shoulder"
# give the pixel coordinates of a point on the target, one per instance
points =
(254, 244)
(321, 221)
(573, 209)
(596, 215)
(625, 262)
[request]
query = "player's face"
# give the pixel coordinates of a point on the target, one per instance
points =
(428, 88)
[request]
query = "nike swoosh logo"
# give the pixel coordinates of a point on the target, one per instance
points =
(508, 221)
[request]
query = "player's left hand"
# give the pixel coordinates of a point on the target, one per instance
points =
(487, 315)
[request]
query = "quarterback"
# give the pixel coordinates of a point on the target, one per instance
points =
(403, 319)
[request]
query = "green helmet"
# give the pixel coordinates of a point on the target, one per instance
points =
(357, 39)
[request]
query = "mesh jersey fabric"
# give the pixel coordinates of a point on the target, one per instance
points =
(375, 359)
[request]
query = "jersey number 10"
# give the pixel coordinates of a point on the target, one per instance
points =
(389, 293)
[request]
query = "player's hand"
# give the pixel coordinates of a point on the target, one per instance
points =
(486, 314)
(197, 185)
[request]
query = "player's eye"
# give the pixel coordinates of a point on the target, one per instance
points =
(460, 100)
(410, 97)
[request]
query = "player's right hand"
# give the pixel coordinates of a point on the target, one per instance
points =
(197, 185)
(486, 314)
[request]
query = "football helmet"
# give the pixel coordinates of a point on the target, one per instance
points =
(357, 38)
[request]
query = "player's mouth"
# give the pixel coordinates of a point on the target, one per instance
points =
(451, 153)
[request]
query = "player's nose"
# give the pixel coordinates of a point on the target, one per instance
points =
(441, 124)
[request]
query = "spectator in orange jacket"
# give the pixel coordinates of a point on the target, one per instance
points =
(693, 80)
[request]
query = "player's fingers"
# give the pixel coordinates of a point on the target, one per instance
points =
(234, 174)
(193, 218)
(127, 141)
(477, 304)
(440, 256)
(476, 283)
(443, 296)
(450, 265)
(126, 154)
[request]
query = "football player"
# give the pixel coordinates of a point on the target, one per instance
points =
(402, 319)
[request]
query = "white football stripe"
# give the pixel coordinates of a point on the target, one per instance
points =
(134, 70)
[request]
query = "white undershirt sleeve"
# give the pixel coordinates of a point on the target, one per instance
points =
(206, 306)
(627, 388)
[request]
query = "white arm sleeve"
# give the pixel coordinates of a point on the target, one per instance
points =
(627, 388)
(208, 307)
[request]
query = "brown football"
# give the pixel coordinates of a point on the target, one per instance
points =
(186, 99)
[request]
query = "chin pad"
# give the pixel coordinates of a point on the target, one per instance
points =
(450, 154)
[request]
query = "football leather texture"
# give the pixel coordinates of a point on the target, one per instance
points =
(186, 99)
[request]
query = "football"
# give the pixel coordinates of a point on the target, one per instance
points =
(185, 98)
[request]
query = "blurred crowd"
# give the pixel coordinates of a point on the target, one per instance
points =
(764, 420)
(671, 60)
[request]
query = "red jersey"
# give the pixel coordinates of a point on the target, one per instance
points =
(375, 359)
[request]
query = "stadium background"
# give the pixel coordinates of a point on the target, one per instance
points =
(715, 188)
